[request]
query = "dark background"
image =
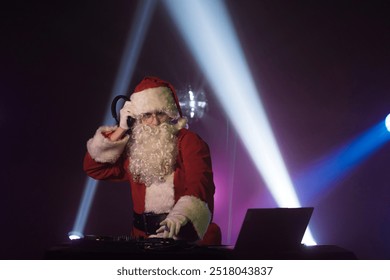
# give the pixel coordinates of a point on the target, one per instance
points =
(322, 69)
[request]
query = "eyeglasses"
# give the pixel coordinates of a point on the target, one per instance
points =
(161, 116)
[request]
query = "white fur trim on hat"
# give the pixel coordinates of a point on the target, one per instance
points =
(181, 123)
(159, 197)
(153, 100)
(196, 211)
(103, 149)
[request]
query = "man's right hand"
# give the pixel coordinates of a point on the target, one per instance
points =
(124, 114)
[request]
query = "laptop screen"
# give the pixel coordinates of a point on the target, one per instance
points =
(273, 229)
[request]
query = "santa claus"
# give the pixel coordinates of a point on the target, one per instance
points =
(168, 166)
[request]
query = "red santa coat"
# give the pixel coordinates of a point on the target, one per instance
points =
(193, 186)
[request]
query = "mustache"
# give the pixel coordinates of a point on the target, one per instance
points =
(154, 129)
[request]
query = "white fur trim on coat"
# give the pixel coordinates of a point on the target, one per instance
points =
(103, 149)
(159, 197)
(153, 100)
(196, 211)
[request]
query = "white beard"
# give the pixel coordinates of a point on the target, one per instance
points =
(153, 152)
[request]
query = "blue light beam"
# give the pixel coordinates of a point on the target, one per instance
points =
(130, 56)
(210, 35)
(329, 170)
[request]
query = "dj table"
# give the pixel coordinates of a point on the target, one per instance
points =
(109, 248)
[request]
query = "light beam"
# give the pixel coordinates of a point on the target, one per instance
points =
(327, 171)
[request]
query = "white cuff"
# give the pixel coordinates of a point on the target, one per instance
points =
(103, 149)
(196, 211)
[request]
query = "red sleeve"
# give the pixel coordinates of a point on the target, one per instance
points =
(105, 171)
(196, 160)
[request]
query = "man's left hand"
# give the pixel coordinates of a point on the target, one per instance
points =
(170, 227)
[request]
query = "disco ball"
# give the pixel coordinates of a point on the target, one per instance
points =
(193, 104)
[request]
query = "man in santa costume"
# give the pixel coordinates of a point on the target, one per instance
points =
(168, 166)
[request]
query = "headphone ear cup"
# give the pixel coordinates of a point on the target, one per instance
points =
(130, 122)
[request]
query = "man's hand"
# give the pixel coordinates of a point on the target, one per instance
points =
(124, 113)
(171, 226)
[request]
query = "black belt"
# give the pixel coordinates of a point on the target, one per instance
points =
(148, 222)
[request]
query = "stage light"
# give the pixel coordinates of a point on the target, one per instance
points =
(387, 122)
(83, 212)
(75, 235)
(129, 60)
(219, 54)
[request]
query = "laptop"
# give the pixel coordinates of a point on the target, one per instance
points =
(273, 229)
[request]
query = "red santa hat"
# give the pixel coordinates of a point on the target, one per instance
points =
(155, 95)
